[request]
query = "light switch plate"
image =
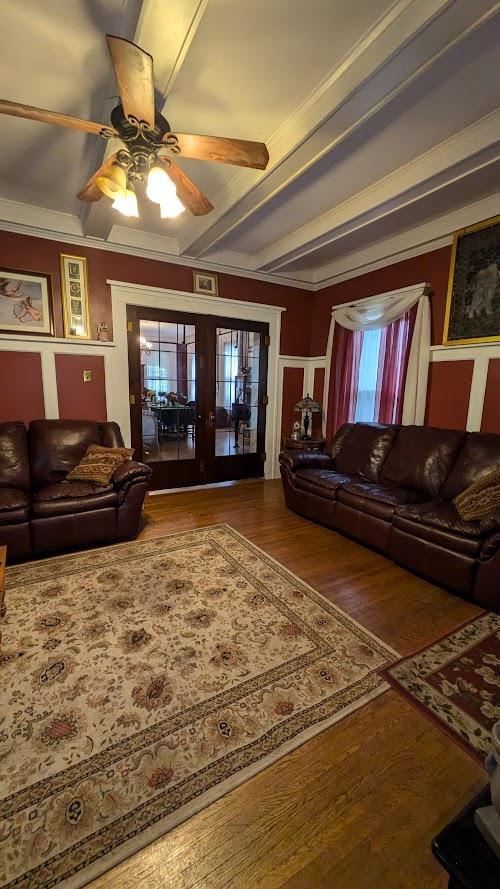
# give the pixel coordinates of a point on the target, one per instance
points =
(87, 376)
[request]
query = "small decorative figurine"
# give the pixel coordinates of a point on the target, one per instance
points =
(487, 819)
(296, 431)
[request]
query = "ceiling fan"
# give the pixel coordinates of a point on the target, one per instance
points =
(149, 145)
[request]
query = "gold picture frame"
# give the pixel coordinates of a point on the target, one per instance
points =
(75, 296)
(206, 283)
(473, 300)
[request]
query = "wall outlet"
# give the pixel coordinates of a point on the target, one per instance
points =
(87, 376)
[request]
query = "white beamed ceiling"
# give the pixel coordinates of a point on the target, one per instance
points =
(382, 120)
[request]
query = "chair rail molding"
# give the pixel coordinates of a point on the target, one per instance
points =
(124, 294)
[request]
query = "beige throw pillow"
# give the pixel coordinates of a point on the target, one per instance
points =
(98, 464)
(480, 498)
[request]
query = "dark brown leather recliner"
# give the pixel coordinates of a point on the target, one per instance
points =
(392, 487)
(40, 511)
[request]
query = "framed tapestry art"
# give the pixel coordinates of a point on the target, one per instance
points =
(25, 303)
(473, 304)
(75, 298)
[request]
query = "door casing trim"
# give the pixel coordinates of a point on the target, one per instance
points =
(123, 294)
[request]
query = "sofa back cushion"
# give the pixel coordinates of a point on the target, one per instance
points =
(365, 449)
(333, 447)
(422, 458)
(14, 467)
(479, 456)
(56, 446)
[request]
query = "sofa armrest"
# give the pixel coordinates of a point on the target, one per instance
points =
(491, 522)
(301, 459)
(130, 471)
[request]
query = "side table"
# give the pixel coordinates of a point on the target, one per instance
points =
(303, 444)
(464, 853)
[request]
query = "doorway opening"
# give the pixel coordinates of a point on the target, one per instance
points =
(198, 395)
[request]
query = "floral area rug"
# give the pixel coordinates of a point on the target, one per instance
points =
(456, 682)
(154, 677)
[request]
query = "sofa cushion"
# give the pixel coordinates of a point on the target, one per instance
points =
(62, 498)
(479, 456)
(334, 447)
(365, 450)
(98, 464)
(56, 446)
(440, 523)
(376, 500)
(14, 468)
(14, 506)
(323, 482)
(422, 458)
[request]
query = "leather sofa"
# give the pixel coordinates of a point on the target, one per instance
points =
(392, 487)
(40, 511)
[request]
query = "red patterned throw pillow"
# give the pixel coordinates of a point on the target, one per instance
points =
(98, 464)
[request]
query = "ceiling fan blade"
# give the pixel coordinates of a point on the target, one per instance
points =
(90, 191)
(61, 120)
(224, 151)
(134, 73)
(188, 192)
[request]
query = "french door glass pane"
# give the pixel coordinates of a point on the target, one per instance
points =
(236, 391)
(168, 379)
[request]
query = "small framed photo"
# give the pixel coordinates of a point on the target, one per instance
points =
(25, 303)
(75, 297)
(473, 304)
(205, 282)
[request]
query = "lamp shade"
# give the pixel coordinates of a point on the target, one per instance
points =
(113, 182)
(126, 203)
(308, 404)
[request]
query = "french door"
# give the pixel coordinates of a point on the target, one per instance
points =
(197, 391)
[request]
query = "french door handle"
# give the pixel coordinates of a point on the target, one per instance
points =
(211, 419)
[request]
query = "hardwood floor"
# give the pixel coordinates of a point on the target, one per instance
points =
(358, 805)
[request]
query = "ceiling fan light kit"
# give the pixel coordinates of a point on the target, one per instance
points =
(126, 202)
(149, 145)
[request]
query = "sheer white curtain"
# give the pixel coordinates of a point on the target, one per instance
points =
(379, 311)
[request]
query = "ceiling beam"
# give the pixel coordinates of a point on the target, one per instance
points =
(165, 29)
(405, 42)
(452, 160)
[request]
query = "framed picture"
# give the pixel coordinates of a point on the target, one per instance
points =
(206, 283)
(25, 303)
(75, 297)
(473, 304)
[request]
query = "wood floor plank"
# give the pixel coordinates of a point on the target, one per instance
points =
(358, 805)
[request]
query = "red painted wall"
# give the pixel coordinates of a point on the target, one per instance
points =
(21, 391)
(38, 254)
(293, 382)
(445, 377)
(78, 400)
(491, 407)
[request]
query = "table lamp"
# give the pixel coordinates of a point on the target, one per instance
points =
(305, 407)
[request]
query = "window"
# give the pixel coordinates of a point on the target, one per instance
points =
(369, 362)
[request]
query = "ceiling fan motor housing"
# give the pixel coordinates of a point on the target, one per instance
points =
(142, 142)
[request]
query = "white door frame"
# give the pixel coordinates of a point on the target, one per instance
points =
(124, 294)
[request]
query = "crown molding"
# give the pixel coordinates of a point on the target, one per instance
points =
(72, 235)
(421, 239)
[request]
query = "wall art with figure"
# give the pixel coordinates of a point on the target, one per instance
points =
(25, 303)
(473, 305)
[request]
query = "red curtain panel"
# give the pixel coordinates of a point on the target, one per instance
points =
(344, 375)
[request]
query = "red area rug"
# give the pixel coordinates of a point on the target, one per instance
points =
(456, 682)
